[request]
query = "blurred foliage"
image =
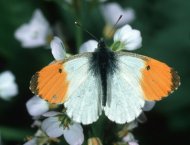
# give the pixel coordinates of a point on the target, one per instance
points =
(164, 25)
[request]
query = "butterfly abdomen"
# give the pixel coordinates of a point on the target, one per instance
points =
(103, 64)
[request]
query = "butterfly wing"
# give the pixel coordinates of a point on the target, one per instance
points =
(137, 79)
(70, 82)
(126, 98)
(84, 103)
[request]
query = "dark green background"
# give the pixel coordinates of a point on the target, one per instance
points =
(165, 28)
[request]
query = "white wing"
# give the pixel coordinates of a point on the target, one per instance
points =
(84, 103)
(126, 100)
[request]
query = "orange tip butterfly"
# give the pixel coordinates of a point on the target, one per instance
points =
(118, 83)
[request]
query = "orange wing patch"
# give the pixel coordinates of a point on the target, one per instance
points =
(158, 80)
(51, 83)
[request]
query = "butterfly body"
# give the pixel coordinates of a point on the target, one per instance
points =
(103, 65)
(117, 83)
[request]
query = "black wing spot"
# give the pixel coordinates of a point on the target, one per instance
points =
(60, 70)
(148, 67)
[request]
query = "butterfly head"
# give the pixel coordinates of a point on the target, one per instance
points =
(101, 43)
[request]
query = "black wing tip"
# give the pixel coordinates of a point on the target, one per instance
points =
(175, 80)
(34, 84)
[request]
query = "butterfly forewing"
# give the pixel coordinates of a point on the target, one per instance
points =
(156, 79)
(51, 83)
(70, 82)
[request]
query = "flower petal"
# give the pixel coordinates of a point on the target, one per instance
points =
(88, 46)
(51, 114)
(36, 106)
(52, 127)
(31, 142)
(148, 105)
(133, 143)
(57, 48)
(112, 11)
(74, 134)
(34, 33)
(8, 87)
(130, 38)
(129, 137)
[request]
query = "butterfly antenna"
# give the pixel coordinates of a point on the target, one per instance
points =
(114, 26)
(79, 25)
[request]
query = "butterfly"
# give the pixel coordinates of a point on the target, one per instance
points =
(118, 83)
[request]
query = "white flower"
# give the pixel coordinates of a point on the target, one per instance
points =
(8, 87)
(148, 105)
(88, 46)
(112, 11)
(133, 143)
(58, 48)
(129, 39)
(35, 33)
(36, 106)
(74, 134)
(51, 114)
(53, 128)
(31, 142)
(130, 139)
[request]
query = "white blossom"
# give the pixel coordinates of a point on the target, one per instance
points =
(88, 46)
(133, 143)
(58, 48)
(36, 106)
(31, 142)
(130, 139)
(112, 11)
(51, 114)
(52, 127)
(148, 105)
(8, 86)
(35, 33)
(129, 39)
(73, 134)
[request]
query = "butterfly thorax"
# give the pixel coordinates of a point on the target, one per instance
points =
(103, 65)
